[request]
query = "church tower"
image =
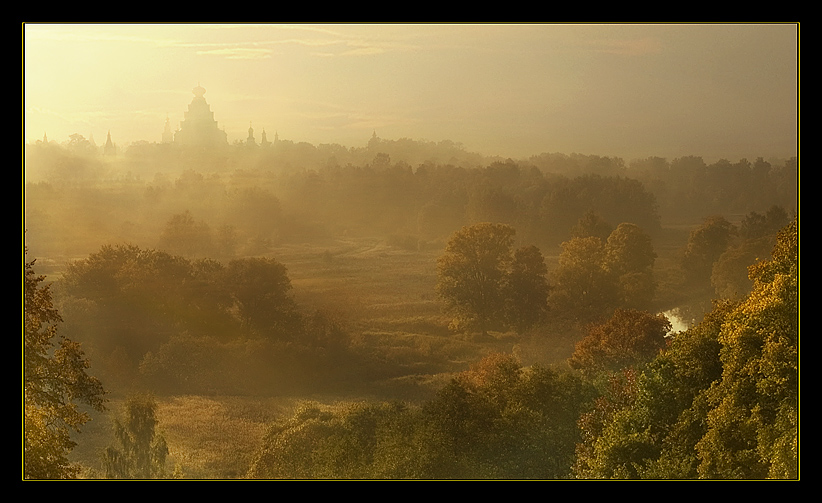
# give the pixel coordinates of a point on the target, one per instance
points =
(198, 128)
(109, 148)
(168, 134)
(250, 140)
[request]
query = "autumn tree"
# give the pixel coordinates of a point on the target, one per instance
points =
(628, 338)
(721, 402)
(753, 424)
(594, 277)
(55, 383)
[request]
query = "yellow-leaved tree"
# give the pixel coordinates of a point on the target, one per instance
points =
(55, 382)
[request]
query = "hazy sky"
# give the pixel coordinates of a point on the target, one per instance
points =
(713, 90)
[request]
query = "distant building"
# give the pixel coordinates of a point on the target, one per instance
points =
(109, 148)
(199, 129)
(250, 140)
(168, 134)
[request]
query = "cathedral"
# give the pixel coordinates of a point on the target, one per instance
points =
(198, 129)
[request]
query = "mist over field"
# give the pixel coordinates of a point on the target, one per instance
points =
(525, 251)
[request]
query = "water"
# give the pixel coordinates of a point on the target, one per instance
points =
(677, 324)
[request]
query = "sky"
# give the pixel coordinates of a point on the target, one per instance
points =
(512, 90)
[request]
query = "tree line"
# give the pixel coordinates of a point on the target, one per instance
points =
(717, 401)
(418, 191)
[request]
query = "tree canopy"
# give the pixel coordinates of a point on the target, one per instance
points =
(56, 382)
(485, 285)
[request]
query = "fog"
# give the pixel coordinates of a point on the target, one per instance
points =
(513, 90)
(235, 214)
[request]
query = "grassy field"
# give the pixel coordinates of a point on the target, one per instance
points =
(382, 295)
(384, 298)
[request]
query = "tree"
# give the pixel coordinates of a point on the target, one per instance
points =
(628, 338)
(705, 245)
(472, 274)
(55, 382)
(721, 401)
(527, 289)
(582, 288)
(262, 292)
(752, 428)
(185, 236)
(592, 224)
(629, 254)
(141, 453)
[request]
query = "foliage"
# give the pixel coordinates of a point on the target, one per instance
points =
(582, 287)
(592, 225)
(196, 325)
(756, 238)
(622, 199)
(628, 338)
(594, 277)
(141, 453)
(630, 255)
(527, 289)
(142, 296)
(705, 245)
(753, 425)
(471, 275)
(484, 286)
(722, 401)
(55, 382)
(184, 236)
(497, 420)
(261, 289)
(646, 424)
(619, 392)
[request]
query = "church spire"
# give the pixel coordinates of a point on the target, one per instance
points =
(250, 141)
(109, 149)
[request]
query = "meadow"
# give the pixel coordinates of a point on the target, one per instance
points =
(382, 293)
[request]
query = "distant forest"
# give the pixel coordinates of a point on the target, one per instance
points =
(166, 266)
(247, 197)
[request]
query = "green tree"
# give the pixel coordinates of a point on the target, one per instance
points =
(472, 274)
(630, 255)
(582, 288)
(55, 382)
(141, 453)
(721, 402)
(753, 423)
(500, 420)
(705, 245)
(652, 431)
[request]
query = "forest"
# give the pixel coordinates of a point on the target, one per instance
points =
(407, 310)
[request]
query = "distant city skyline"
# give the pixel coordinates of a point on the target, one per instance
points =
(627, 90)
